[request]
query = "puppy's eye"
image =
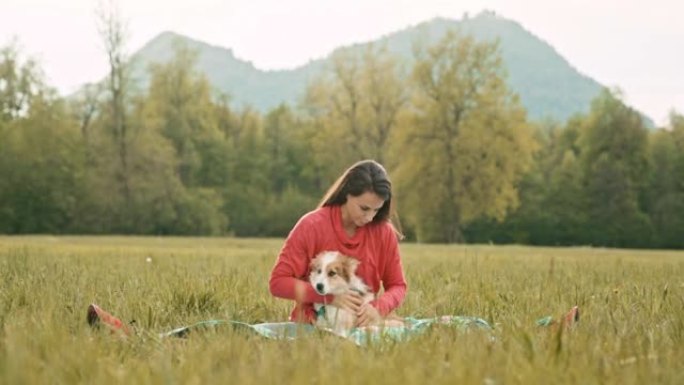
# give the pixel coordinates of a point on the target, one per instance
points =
(319, 271)
(331, 273)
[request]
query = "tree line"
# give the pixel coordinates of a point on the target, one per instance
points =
(466, 163)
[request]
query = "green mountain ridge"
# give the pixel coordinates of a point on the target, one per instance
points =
(548, 85)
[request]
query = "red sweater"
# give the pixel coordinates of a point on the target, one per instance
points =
(375, 245)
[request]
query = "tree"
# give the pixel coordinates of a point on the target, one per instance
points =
(613, 144)
(288, 155)
(289, 167)
(181, 184)
(468, 143)
(563, 210)
(355, 108)
(566, 204)
(113, 33)
(21, 81)
(246, 192)
(85, 106)
(665, 199)
(180, 99)
(139, 175)
(40, 161)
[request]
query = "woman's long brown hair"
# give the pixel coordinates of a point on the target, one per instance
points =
(364, 176)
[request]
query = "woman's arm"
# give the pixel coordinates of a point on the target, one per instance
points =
(393, 280)
(287, 277)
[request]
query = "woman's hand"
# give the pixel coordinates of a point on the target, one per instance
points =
(350, 302)
(367, 315)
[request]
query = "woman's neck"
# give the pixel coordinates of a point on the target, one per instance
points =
(347, 223)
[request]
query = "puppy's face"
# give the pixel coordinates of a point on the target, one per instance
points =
(331, 272)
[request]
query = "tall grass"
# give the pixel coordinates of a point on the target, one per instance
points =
(631, 303)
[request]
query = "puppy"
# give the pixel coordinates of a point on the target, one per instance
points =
(334, 273)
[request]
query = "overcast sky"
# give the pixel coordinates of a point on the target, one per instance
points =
(635, 45)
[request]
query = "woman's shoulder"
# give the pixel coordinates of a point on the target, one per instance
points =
(311, 225)
(315, 217)
(384, 229)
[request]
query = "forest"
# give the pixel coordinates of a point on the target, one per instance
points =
(466, 162)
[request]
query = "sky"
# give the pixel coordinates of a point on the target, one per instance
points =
(634, 45)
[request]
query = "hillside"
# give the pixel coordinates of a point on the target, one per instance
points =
(547, 83)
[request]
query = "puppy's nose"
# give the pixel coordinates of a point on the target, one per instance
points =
(320, 287)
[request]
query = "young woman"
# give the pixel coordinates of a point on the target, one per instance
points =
(354, 219)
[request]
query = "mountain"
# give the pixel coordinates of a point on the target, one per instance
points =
(549, 87)
(244, 83)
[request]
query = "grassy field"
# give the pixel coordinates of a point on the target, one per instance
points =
(631, 302)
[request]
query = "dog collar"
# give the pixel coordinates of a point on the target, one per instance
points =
(320, 312)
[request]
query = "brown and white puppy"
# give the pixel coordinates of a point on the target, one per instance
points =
(335, 273)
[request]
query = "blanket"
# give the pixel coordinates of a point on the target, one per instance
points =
(361, 336)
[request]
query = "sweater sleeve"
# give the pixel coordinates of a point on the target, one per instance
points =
(288, 278)
(393, 280)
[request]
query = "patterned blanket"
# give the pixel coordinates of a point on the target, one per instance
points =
(360, 336)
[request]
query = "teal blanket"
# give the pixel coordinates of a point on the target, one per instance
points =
(360, 336)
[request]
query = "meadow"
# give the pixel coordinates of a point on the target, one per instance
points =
(631, 329)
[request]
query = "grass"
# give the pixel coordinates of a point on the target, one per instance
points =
(631, 302)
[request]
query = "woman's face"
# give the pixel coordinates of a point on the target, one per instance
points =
(361, 209)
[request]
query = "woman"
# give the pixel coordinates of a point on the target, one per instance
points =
(354, 219)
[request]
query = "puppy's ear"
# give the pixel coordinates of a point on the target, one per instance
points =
(314, 264)
(351, 264)
(342, 271)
